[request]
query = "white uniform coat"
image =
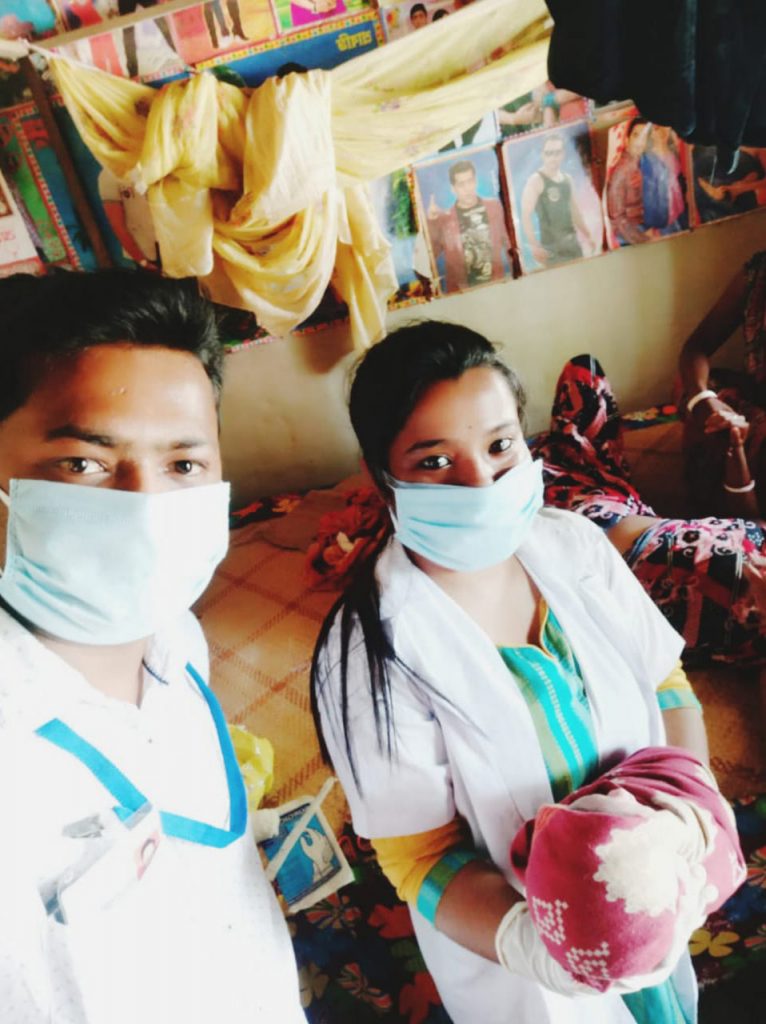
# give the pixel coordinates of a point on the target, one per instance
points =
(466, 743)
(200, 939)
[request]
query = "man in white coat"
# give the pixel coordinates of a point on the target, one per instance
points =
(130, 885)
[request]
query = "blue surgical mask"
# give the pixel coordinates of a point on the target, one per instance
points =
(468, 528)
(99, 566)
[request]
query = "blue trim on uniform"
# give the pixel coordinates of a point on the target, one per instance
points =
(438, 878)
(130, 799)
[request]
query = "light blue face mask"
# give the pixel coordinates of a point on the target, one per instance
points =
(99, 566)
(468, 528)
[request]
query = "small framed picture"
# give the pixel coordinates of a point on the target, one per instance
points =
(29, 19)
(162, 46)
(645, 193)
(297, 14)
(147, 50)
(556, 209)
(726, 191)
(393, 202)
(460, 204)
(221, 26)
(401, 19)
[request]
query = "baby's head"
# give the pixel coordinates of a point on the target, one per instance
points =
(620, 873)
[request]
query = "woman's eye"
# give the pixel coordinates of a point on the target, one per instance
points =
(185, 467)
(503, 444)
(80, 466)
(434, 462)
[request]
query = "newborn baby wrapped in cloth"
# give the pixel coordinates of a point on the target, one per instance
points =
(620, 872)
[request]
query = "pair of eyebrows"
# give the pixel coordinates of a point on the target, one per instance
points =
(75, 432)
(438, 441)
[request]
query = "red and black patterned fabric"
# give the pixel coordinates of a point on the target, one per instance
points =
(691, 568)
(585, 469)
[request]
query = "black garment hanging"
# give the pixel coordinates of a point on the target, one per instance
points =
(696, 65)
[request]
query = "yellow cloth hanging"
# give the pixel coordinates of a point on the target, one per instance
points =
(261, 193)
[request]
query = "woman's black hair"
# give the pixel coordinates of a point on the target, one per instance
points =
(389, 382)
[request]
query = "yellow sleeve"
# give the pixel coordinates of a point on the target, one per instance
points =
(407, 860)
(676, 691)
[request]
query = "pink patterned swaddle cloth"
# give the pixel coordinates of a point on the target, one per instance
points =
(620, 872)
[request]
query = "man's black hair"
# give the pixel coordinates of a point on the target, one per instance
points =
(461, 167)
(418, 9)
(438, 15)
(43, 319)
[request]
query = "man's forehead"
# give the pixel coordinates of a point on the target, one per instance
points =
(135, 382)
(111, 367)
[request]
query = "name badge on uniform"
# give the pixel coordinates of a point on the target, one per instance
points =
(116, 860)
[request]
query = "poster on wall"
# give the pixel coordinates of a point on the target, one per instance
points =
(392, 199)
(36, 181)
(645, 193)
(34, 177)
(321, 46)
(122, 215)
(543, 107)
(160, 47)
(30, 19)
(27, 19)
(298, 14)
(145, 50)
(556, 209)
(726, 193)
(459, 202)
(401, 19)
(17, 250)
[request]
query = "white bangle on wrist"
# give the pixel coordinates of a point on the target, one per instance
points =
(740, 490)
(699, 397)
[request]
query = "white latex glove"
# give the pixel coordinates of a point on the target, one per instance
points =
(520, 950)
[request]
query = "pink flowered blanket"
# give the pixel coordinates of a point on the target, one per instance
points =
(620, 872)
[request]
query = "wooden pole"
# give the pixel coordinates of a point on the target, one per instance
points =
(77, 192)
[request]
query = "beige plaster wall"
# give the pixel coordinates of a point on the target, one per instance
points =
(284, 418)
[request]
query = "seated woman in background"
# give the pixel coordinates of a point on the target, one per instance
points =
(725, 411)
(691, 568)
(492, 656)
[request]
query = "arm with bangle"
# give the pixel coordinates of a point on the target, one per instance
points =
(700, 402)
(738, 482)
(705, 410)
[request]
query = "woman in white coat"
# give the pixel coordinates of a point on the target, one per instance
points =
(492, 657)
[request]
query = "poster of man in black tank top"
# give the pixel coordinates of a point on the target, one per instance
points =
(557, 212)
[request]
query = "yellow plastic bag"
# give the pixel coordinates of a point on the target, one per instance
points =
(255, 756)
